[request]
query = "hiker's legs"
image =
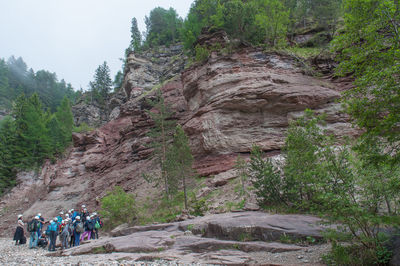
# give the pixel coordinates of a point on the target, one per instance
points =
(32, 239)
(77, 239)
(36, 239)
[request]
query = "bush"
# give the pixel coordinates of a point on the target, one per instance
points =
(164, 210)
(83, 127)
(118, 207)
(267, 180)
(202, 53)
(350, 185)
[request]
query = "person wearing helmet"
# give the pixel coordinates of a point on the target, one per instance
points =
(97, 224)
(41, 222)
(59, 218)
(88, 229)
(74, 214)
(76, 224)
(64, 235)
(84, 214)
(33, 228)
(53, 227)
(19, 232)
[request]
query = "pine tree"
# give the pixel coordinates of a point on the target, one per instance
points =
(102, 84)
(161, 134)
(7, 155)
(119, 78)
(32, 139)
(179, 160)
(66, 119)
(136, 37)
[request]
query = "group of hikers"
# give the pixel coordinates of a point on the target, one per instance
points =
(71, 227)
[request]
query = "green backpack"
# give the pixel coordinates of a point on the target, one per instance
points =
(97, 225)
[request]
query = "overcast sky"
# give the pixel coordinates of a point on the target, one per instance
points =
(73, 37)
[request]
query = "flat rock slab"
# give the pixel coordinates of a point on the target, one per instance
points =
(246, 226)
(227, 238)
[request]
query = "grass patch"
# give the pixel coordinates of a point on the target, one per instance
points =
(304, 52)
(163, 211)
(99, 250)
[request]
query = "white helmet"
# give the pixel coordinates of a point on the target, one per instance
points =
(88, 218)
(37, 217)
(39, 214)
(78, 217)
(19, 216)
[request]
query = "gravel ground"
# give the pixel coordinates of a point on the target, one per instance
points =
(10, 254)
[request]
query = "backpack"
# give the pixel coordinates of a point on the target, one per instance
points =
(65, 231)
(97, 225)
(79, 228)
(71, 229)
(90, 225)
(48, 230)
(32, 226)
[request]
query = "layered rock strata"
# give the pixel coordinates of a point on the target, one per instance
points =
(225, 105)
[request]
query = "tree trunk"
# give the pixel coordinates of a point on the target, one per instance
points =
(164, 152)
(184, 190)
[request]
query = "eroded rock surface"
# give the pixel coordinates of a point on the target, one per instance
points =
(225, 105)
(230, 237)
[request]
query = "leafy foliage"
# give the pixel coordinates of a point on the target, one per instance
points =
(267, 180)
(341, 183)
(118, 207)
(369, 48)
(162, 27)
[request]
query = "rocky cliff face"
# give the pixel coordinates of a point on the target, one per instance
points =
(225, 104)
(143, 73)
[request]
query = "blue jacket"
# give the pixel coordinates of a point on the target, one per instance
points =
(53, 227)
(76, 213)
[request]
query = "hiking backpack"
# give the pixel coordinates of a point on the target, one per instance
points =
(97, 225)
(90, 225)
(79, 228)
(32, 226)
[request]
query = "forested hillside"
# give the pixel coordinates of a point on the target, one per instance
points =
(16, 78)
(40, 121)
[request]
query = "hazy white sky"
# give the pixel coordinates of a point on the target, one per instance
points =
(73, 37)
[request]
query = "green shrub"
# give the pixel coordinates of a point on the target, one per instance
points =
(118, 207)
(267, 180)
(198, 207)
(350, 185)
(163, 210)
(83, 127)
(354, 255)
(202, 53)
